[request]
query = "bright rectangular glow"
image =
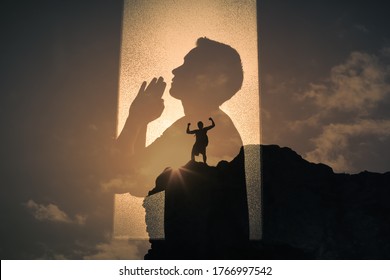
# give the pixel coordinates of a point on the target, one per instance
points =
(156, 37)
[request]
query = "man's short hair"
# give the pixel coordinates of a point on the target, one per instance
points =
(226, 62)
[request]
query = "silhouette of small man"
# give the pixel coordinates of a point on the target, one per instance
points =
(201, 141)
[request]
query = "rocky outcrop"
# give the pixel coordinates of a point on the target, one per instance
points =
(327, 215)
(309, 212)
(206, 212)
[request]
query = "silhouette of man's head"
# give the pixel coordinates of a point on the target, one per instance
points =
(211, 73)
(200, 125)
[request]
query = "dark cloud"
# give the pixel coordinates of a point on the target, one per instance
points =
(355, 87)
(343, 118)
(326, 86)
(118, 249)
(335, 147)
(52, 212)
(361, 28)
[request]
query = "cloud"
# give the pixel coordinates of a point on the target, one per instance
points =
(385, 52)
(358, 85)
(80, 219)
(53, 213)
(332, 146)
(118, 249)
(361, 28)
(347, 109)
(119, 184)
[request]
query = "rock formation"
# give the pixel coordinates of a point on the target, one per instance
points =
(309, 212)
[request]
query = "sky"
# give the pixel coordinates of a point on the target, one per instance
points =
(325, 84)
(324, 76)
(60, 68)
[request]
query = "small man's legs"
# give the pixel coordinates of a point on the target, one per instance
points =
(193, 155)
(204, 157)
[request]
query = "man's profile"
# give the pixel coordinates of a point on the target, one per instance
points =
(201, 139)
(210, 75)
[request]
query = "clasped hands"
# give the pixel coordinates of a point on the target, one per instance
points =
(148, 104)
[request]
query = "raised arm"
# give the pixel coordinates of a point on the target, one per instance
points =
(188, 129)
(212, 124)
(129, 157)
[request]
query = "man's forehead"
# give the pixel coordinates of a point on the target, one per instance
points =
(195, 53)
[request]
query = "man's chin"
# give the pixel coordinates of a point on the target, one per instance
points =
(174, 93)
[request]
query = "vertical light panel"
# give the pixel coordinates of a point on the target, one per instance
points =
(156, 37)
